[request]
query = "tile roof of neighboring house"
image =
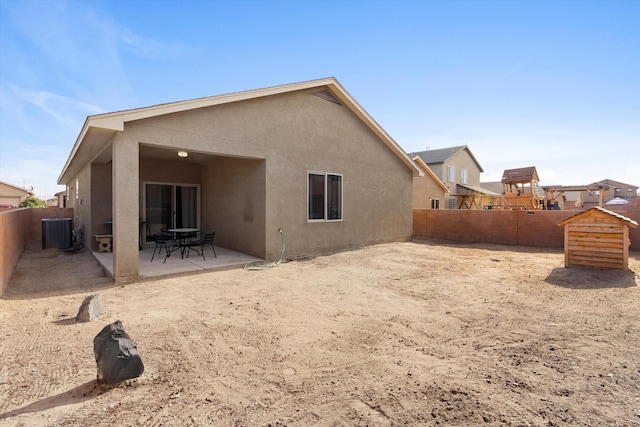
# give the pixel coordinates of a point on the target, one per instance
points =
(610, 183)
(593, 186)
(441, 155)
(520, 175)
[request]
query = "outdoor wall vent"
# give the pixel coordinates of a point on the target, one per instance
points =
(326, 95)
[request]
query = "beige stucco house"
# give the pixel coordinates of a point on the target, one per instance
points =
(611, 189)
(428, 190)
(11, 195)
(59, 200)
(459, 170)
(303, 157)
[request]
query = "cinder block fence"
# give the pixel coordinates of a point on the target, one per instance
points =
(521, 228)
(17, 228)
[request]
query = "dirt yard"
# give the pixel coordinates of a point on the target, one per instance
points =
(416, 333)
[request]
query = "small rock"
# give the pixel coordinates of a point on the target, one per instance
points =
(91, 308)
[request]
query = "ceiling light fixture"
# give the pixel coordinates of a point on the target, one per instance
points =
(182, 154)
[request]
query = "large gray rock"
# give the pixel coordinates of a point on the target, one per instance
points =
(116, 354)
(92, 307)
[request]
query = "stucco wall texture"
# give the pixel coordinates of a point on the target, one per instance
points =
(257, 182)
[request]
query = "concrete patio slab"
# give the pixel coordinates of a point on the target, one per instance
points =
(175, 264)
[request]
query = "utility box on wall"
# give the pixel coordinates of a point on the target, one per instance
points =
(56, 233)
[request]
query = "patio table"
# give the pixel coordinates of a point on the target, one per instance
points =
(182, 234)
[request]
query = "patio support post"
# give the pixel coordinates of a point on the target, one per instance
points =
(125, 208)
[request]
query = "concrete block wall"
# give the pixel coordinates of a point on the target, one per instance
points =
(521, 228)
(37, 215)
(632, 211)
(14, 236)
(17, 227)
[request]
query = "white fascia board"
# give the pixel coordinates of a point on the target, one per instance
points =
(349, 101)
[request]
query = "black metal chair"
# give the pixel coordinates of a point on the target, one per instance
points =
(163, 241)
(207, 240)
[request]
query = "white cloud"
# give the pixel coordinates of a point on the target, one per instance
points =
(63, 109)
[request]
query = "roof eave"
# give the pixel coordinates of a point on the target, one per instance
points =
(429, 172)
(115, 121)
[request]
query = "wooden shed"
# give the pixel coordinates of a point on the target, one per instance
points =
(597, 238)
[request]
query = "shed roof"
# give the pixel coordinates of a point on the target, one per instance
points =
(598, 209)
(98, 129)
(478, 189)
(526, 174)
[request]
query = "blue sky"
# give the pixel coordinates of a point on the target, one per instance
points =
(554, 84)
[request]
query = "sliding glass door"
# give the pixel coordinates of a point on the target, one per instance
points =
(170, 206)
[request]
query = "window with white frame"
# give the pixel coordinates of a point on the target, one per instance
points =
(324, 196)
(452, 203)
(451, 174)
(463, 176)
(435, 203)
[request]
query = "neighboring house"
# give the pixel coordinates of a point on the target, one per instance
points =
(459, 170)
(428, 190)
(594, 194)
(591, 195)
(493, 186)
(570, 200)
(305, 158)
(11, 195)
(59, 200)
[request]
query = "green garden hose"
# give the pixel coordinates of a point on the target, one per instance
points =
(265, 264)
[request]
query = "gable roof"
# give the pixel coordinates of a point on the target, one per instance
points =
(598, 185)
(611, 183)
(15, 187)
(520, 175)
(98, 129)
(441, 155)
(429, 172)
(590, 211)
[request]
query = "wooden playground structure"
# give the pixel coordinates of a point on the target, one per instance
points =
(520, 190)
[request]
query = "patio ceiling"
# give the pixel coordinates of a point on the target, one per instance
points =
(159, 153)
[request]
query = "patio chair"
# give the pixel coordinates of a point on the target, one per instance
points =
(207, 240)
(162, 241)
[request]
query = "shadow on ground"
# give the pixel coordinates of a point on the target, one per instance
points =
(591, 278)
(86, 391)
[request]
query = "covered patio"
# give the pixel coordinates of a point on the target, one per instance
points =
(176, 265)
